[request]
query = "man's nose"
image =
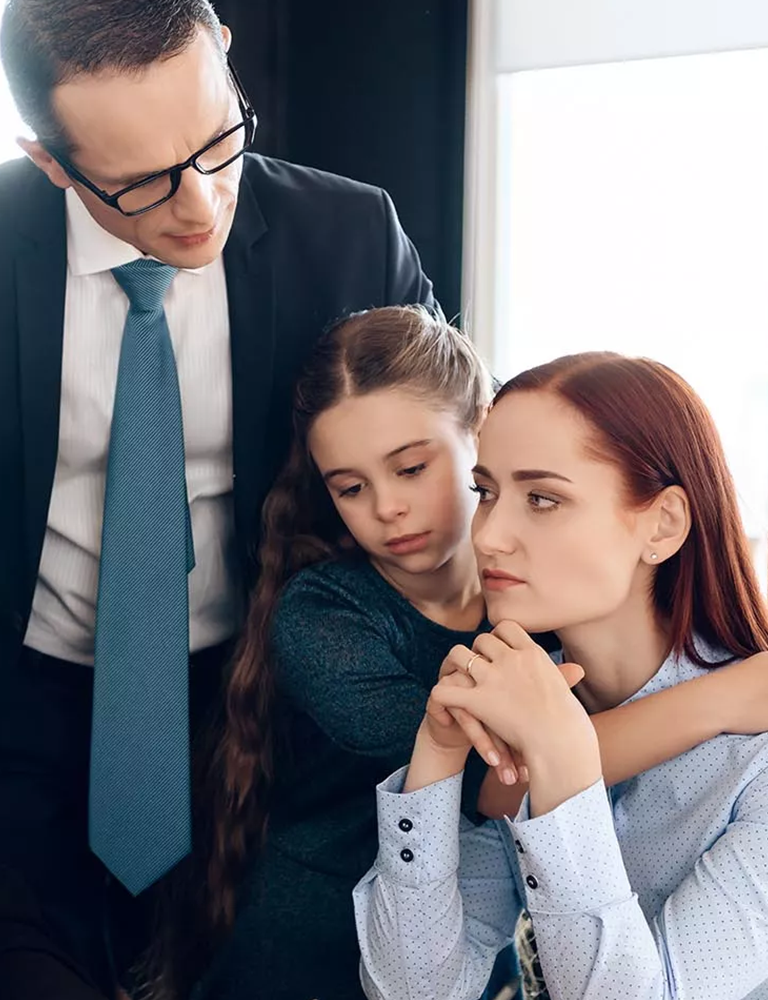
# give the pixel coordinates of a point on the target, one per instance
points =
(195, 201)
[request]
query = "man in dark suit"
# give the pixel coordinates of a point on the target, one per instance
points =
(159, 289)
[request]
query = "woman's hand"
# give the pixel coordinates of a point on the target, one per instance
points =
(520, 695)
(454, 729)
(508, 763)
(446, 736)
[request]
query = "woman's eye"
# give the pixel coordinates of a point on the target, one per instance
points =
(413, 470)
(351, 491)
(541, 503)
(482, 491)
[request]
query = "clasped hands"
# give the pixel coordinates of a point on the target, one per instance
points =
(515, 707)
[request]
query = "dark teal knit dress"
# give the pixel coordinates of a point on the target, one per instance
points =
(355, 663)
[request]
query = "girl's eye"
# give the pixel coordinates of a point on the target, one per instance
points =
(482, 491)
(413, 470)
(540, 503)
(351, 491)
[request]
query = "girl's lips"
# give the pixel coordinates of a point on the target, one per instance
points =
(408, 543)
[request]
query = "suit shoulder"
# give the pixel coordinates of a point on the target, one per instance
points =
(26, 193)
(15, 177)
(278, 180)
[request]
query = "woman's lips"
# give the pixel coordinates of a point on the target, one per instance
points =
(497, 579)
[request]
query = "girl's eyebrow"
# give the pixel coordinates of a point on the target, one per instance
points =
(405, 447)
(391, 454)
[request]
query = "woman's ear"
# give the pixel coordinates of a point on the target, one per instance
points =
(670, 525)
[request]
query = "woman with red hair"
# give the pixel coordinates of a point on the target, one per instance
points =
(607, 514)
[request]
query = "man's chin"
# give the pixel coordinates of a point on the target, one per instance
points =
(199, 250)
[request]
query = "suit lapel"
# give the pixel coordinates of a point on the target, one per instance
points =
(41, 290)
(41, 279)
(251, 294)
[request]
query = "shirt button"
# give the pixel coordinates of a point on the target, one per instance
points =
(406, 855)
(520, 848)
(405, 825)
(532, 882)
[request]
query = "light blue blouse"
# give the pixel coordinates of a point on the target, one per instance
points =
(655, 890)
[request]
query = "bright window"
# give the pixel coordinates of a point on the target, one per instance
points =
(630, 213)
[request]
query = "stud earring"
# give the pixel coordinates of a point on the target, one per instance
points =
(654, 556)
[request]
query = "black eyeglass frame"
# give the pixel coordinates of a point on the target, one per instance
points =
(249, 121)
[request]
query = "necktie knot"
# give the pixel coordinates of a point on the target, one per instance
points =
(145, 282)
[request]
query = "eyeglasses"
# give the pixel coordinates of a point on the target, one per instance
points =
(157, 188)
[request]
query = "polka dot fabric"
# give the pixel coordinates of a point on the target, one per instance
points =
(394, 896)
(655, 890)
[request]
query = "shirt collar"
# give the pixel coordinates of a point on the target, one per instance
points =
(91, 249)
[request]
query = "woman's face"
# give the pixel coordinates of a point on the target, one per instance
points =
(556, 543)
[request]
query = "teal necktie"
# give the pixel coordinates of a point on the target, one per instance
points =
(139, 809)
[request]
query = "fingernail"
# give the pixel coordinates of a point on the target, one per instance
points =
(508, 776)
(523, 772)
(493, 759)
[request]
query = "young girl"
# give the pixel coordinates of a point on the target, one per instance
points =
(368, 580)
(606, 513)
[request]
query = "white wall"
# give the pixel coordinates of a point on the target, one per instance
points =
(538, 34)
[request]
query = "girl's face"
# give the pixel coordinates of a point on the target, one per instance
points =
(400, 474)
(555, 541)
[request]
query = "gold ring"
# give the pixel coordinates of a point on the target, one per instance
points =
(468, 668)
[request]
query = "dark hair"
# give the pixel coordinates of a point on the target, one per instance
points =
(404, 347)
(44, 43)
(652, 426)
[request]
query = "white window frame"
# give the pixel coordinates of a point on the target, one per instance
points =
(507, 36)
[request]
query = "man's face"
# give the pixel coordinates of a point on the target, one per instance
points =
(125, 126)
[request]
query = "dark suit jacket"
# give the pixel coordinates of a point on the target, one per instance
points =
(305, 248)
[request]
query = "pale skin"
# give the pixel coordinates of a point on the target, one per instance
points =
(555, 519)
(395, 466)
(127, 126)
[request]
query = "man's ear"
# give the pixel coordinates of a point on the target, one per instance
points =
(40, 156)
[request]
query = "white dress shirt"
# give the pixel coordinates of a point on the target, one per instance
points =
(64, 607)
(654, 890)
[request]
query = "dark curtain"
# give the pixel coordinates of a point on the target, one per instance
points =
(371, 89)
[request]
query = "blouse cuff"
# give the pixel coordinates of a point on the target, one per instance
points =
(418, 831)
(569, 858)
